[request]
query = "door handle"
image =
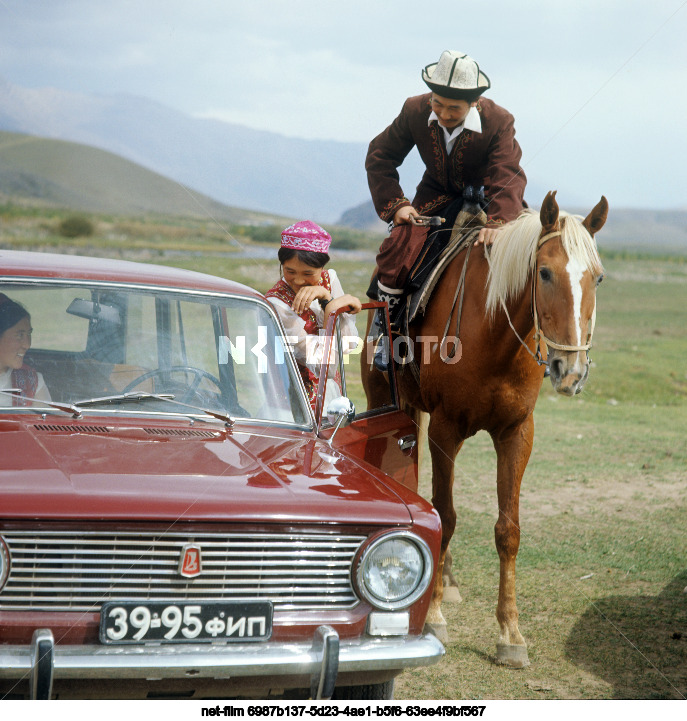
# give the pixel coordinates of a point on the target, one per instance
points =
(407, 443)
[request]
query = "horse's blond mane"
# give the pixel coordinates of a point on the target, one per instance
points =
(512, 258)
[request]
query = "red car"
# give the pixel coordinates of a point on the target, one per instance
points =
(175, 520)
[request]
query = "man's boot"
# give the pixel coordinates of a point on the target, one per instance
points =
(392, 297)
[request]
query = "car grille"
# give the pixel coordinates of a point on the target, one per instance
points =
(75, 571)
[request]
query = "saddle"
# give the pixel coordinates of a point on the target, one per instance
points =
(464, 219)
(439, 250)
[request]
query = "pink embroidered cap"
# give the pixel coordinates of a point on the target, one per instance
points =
(306, 235)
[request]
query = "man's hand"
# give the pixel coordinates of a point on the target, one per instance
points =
(402, 215)
(487, 236)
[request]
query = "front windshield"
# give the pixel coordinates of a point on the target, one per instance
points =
(89, 342)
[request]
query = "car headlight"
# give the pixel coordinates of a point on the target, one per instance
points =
(395, 570)
(4, 562)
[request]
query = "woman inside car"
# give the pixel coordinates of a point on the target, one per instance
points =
(15, 341)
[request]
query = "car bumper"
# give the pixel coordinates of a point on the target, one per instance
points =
(322, 660)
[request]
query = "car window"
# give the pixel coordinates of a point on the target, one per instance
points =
(260, 363)
(204, 350)
(348, 380)
(191, 324)
(56, 329)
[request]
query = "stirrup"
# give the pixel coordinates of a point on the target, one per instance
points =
(381, 353)
(377, 325)
(379, 341)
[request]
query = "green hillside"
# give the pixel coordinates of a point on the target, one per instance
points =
(57, 174)
(70, 175)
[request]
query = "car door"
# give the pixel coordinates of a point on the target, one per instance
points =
(380, 433)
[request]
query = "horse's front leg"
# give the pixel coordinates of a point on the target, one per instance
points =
(513, 447)
(443, 446)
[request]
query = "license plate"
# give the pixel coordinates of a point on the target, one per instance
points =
(134, 622)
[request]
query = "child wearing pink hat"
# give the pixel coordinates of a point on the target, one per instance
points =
(305, 297)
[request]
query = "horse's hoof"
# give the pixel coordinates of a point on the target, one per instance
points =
(439, 630)
(512, 655)
(451, 594)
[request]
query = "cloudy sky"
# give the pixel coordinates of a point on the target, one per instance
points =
(596, 86)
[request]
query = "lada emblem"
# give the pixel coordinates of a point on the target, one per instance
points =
(190, 561)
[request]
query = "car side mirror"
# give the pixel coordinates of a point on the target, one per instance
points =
(340, 412)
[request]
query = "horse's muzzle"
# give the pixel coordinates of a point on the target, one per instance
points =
(568, 372)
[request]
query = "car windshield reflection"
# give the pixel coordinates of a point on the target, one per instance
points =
(114, 349)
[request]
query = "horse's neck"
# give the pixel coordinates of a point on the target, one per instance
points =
(513, 321)
(488, 333)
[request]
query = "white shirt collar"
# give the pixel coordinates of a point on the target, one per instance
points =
(472, 122)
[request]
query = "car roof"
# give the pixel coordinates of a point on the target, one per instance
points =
(28, 264)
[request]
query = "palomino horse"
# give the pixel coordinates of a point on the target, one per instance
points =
(537, 282)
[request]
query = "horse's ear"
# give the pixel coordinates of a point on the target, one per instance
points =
(596, 219)
(548, 215)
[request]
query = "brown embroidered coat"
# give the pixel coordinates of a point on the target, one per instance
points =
(490, 158)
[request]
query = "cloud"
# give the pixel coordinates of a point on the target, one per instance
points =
(594, 86)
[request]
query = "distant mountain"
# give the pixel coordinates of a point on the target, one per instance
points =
(653, 231)
(362, 217)
(80, 177)
(233, 164)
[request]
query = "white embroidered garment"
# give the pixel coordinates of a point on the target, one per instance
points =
(308, 349)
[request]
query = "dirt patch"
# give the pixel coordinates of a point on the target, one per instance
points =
(631, 494)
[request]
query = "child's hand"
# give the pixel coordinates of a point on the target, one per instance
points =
(347, 301)
(306, 295)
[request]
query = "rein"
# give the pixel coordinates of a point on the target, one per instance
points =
(538, 335)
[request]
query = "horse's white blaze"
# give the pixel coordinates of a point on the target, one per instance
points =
(576, 270)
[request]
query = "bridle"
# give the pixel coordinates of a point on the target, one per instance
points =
(538, 335)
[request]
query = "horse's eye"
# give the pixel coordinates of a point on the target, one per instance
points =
(599, 279)
(545, 274)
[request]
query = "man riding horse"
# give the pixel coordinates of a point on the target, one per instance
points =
(465, 141)
(536, 288)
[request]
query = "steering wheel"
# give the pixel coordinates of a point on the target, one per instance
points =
(187, 392)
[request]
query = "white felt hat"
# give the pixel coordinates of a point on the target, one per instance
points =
(456, 76)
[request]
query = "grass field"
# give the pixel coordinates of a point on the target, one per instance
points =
(602, 569)
(602, 578)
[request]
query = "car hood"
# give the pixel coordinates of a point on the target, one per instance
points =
(70, 471)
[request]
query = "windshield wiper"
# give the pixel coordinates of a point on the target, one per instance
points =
(37, 403)
(75, 409)
(123, 398)
(141, 396)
